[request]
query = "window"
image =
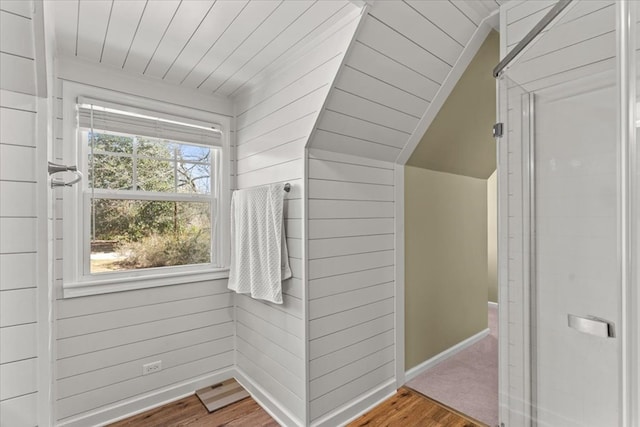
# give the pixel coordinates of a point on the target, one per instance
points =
(151, 204)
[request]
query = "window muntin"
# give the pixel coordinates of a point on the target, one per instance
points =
(150, 202)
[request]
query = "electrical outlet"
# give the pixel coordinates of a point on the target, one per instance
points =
(152, 368)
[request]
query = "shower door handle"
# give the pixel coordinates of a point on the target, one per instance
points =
(592, 325)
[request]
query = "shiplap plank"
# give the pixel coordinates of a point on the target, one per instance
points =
(212, 27)
(17, 74)
(18, 378)
(115, 337)
(92, 28)
(319, 288)
(316, 20)
(345, 301)
(74, 307)
(274, 367)
(306, 84)
(341, 190)
(287, 322)
(17, 199)
(126, 15)
(333, 342)
(257, 373)
(18, 127)
(358, 128)
(18, 235)
(581, 25)
(76, 365)
(386, 40)
(285, 340)
(93, 380)
(351, 390)
(292, 287)
(339, 171)
(293, 364)
(295, 130)
(251, 16)
(447, 17)
(338, 157)
(19, 7)
(66, 18)
(306, 103)
(326, 383)
(324, 248)
(376, 64)
(93, 323)
(16, 35)
(18, 342)
(283, 172)
(17, 101)
(346, 103)
(363, 83)
(346, 319)
(526, 8)
(577, 56)
(332, 141)
(281, 17)
(17, 163)
(20, 411)
(155, 21)
(325, 209)
(330, 228)
(103, 396)
(189, 17)
(334, 266)
(325, 364)
(469, 11)
(17, 272)
(278, 155)
(420, 30)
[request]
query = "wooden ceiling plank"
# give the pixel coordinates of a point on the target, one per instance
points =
(125, 17)
(155, 21)
(188, 19)
(246, 23)
(92, 28)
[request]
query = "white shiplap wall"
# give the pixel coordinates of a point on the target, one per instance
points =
(401, 57)
(20, 256)
(102, 341)
(273, 125)
(351, 281)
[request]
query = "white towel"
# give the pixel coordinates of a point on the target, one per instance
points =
(259, 257)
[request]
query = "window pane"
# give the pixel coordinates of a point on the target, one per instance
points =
(110, 172)
(136, 234)
(111, 143)
(194, 178)
(193, 153)
(155, 175)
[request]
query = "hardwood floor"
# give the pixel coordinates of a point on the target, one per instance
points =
(192, 413)
(407, 408)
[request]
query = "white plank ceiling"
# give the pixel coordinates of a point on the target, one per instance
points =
(218, 47)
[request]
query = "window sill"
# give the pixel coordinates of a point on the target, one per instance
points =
(105, 286)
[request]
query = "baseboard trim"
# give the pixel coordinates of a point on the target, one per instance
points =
(139, 404)
(282, 415)
(430, 363)
(357, 407)
(493, 304)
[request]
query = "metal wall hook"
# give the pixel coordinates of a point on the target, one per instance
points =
(56, 168)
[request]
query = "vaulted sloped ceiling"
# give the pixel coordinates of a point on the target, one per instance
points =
(401, 57)
(218, 47)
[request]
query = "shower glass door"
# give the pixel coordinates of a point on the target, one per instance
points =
(565, 189)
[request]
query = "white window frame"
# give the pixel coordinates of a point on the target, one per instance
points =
(76, 281)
